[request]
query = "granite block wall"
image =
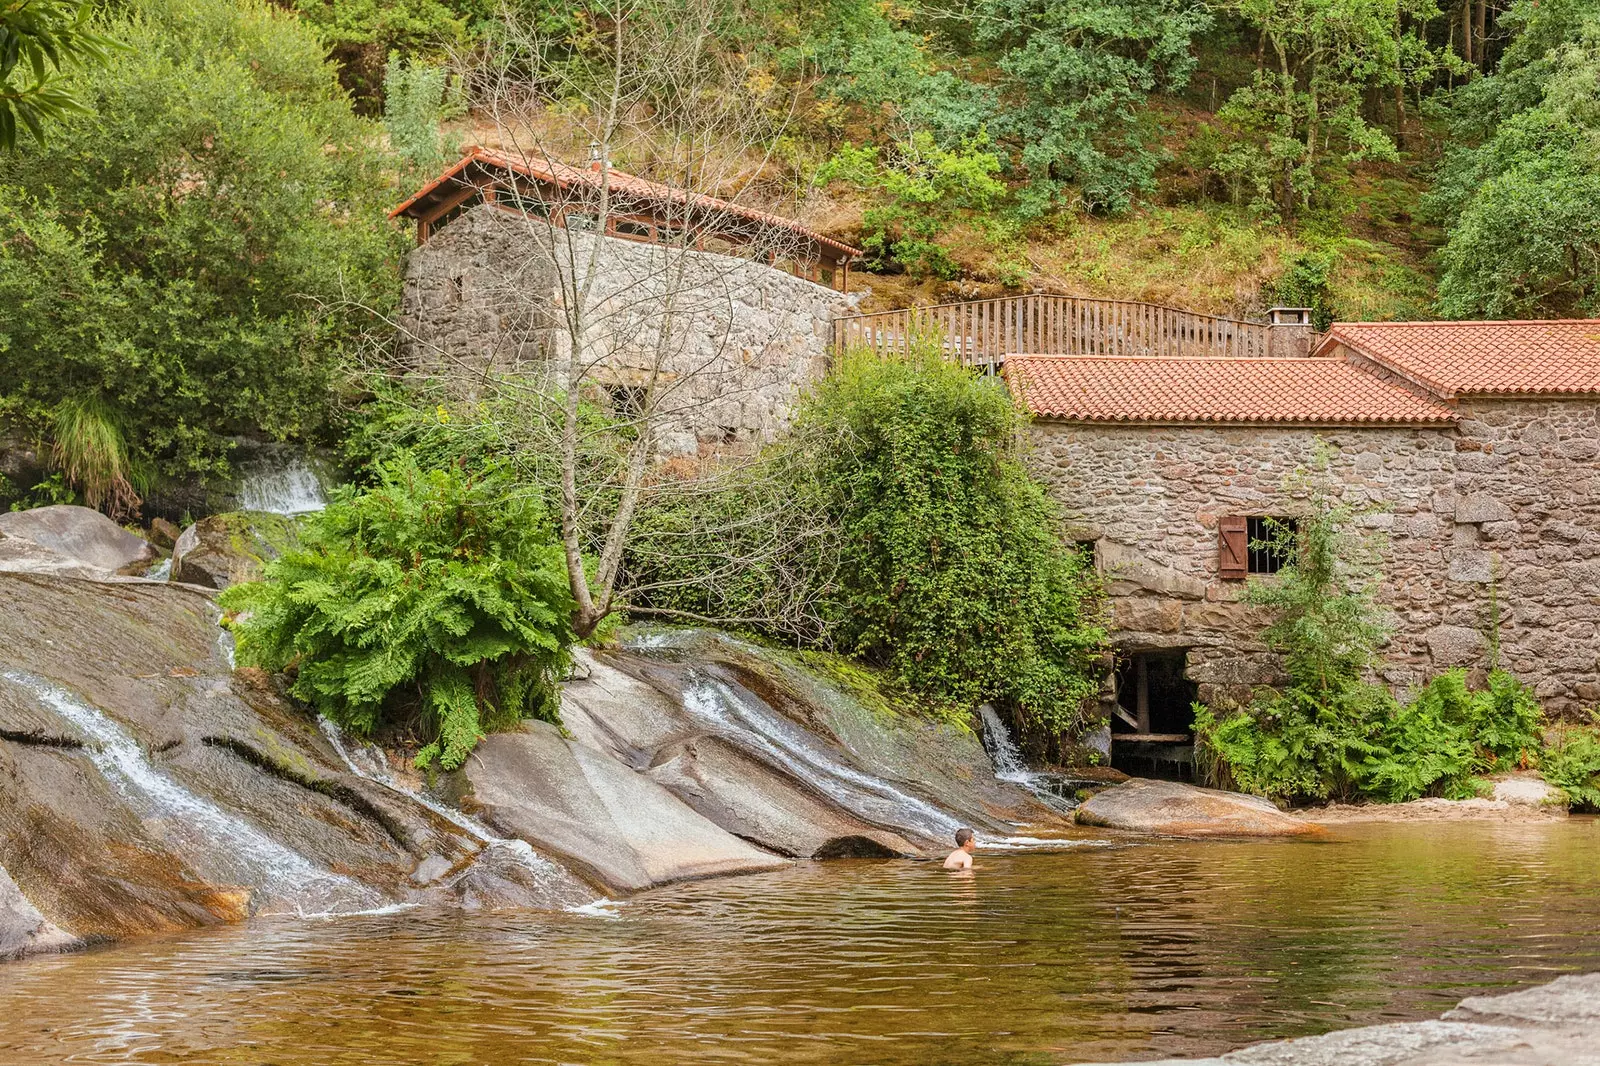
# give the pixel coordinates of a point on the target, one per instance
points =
(1508, 500)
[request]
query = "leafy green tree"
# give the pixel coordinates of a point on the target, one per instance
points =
(953, 571)
(417, 96)
(1519, 194)
(176, 258)
(1304, 109)
(40, 41)
(434, 594)
(1074, 79)
(923, 190)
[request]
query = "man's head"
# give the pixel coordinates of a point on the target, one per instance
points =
(965, 840)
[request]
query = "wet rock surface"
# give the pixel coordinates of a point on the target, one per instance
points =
(1557, 1024)
(146, 787)
(620, 828)
(1169, 808)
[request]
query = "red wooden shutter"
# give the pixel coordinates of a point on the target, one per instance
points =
(1233, 548)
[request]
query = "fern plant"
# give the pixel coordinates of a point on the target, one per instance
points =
(433, 592)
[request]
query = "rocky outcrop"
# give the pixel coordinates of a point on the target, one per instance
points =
(620, 828)
(145, 787)
(1557, 1024)
(1168, 808)
(225, 549)
(66, 539)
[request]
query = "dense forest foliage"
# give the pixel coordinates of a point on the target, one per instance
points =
(192, 201)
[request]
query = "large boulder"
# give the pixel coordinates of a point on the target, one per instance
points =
(77, 537)
(622, 829)
(226, 549)
(611, 710)
(147, 787)
(1169, 808)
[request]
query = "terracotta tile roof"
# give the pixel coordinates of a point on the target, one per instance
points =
(1499, 358)
(1156, 389)
(620, 182)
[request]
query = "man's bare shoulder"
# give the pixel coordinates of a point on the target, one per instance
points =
(958, 860)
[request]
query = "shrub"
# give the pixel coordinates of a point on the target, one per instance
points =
(436, 592)
(898, 524)
(175, 254)
(1571, 762)
(953, 570)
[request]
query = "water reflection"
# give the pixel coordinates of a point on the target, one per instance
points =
(1158, 949)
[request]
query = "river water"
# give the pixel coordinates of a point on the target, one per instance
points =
(1144, 950)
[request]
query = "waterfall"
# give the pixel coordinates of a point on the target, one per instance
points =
(749, 723)
(368, 763)
(162, 571)
(243, 854)
(1054, 790)
(1008, 764)
(289, 488)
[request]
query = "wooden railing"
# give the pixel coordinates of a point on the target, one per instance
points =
(985, 331)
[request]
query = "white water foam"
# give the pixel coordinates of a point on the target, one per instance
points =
(161, 571)
(242, 852)
(290, 489)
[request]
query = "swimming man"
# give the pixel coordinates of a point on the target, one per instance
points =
(961, 858)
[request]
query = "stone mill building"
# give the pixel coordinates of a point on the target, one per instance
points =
(1470, 451)
(725, 308)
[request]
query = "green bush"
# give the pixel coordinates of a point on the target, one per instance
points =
(897, 525)
(176, 256)
(953, 570)
(437, 595)
(1571, 762)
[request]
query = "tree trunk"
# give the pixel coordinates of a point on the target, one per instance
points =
(1479, 25)
(1399, 83)
(1466, 30)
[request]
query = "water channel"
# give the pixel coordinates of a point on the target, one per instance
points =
(1130, 951)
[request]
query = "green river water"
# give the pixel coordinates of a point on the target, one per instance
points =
(1092, 953)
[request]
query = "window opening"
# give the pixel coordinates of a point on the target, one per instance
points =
(1272, 543)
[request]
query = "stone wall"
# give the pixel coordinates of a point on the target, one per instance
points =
(1509, 499)
(737, 340)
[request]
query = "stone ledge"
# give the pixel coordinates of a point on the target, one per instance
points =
(1557, 1024)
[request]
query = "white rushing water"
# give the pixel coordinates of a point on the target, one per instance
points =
(232, 848)
(288, 489)
(161, 571)
(366, 761)
(1008, 764)
(747, 722)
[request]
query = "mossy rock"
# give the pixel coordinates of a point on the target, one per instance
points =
(226, 549)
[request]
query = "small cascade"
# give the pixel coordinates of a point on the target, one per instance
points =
(1053, 790)
(234, 849)
(162, 571)
(1003, 751)
(746, 721)
(367, 762)
(290, 487)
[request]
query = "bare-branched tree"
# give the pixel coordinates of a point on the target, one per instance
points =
(633, 206)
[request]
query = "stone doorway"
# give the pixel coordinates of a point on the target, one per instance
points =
(1152, 724)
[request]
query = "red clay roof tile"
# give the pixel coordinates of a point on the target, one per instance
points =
(1312, 391)
(620, 181)
(1558, 356)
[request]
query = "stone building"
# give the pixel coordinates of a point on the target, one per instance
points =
(729, 311)
(1471, 451)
